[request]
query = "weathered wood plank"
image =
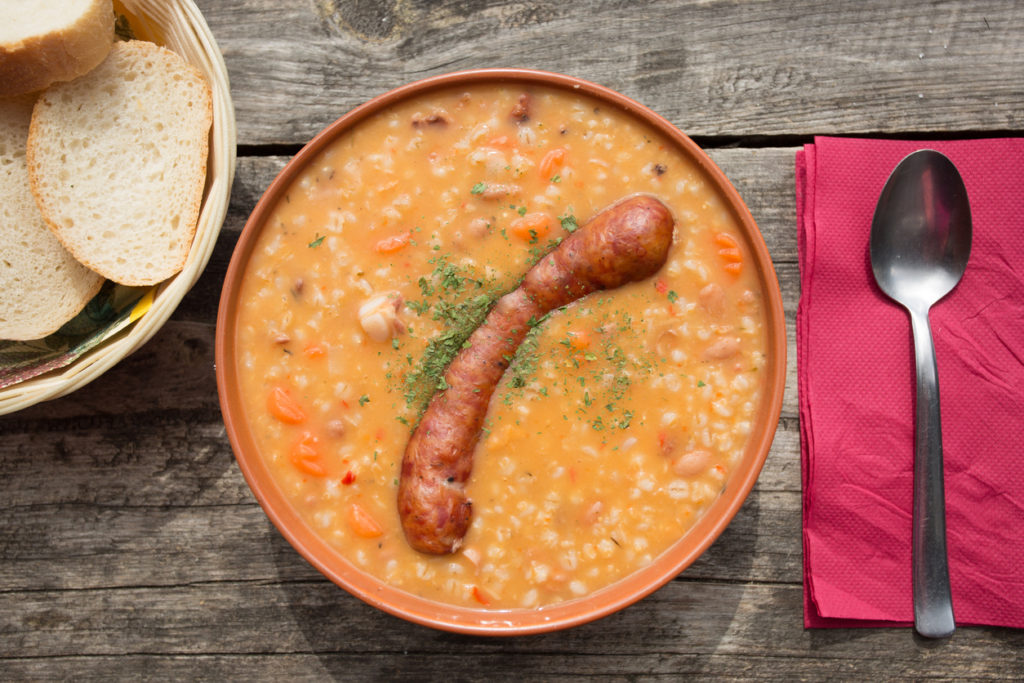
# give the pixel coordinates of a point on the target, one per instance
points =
(685, 628)
(723, 68)
(512, 662)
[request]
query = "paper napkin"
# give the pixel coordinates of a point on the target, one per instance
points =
(857, 384)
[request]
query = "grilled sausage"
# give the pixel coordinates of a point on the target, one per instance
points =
(626, 242)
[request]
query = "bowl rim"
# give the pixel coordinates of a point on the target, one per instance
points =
(443, 616)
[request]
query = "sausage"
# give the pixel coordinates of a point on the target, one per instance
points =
(626, 242)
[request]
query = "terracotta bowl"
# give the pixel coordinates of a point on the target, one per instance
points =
(516, 621)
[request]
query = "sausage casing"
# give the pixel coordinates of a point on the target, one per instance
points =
(627, 242)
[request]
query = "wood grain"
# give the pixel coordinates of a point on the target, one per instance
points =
(719, 69)
(130, 544)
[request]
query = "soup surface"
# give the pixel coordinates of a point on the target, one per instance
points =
(622, 414)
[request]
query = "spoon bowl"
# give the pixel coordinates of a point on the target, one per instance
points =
(921, 234)
(920, 245)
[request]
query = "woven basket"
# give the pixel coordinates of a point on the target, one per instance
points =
(179, 26)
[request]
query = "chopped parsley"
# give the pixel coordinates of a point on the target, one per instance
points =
(363, 400)
(317, 241)
(478, 188)
(459, 301)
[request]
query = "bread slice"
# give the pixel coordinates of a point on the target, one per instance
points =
(117, 162)
(41, 285)
(42, 42)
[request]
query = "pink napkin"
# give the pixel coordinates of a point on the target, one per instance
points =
(856, 384)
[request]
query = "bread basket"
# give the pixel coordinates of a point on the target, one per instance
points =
(179, 26)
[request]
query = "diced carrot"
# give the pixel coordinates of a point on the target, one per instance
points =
(285, 408)
(733, 268)
(389, 245)
(349, 478)
(660, 287)
(481, 596)
(533, 226)
(724, 239)
(579, 340)
(551, 162)
(733, 255)
(305, 456)
(314, 350)
(362, 522)
(501, 141)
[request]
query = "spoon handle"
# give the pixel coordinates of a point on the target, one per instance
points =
(933, 604)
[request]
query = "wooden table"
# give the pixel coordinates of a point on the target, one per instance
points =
(130, 545)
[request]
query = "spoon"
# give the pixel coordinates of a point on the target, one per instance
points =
(920, 243)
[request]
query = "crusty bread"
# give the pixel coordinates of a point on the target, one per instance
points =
(42, 42)
(117, 162)
(41, 285)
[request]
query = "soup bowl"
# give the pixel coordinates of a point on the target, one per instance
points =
(318, 487)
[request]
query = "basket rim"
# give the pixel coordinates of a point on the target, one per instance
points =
(185, 32)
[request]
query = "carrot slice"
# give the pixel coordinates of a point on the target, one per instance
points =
(551, 162)
(733, 268)
(501, 141)
(314, 350)
(579, 340)
(481, 596)
(724, 239)
(362, 522)
(306, 457)
(731, 254)
(389, 245)
(281, 405)
(532, 227)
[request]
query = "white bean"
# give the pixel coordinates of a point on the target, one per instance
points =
(692, 463)
(725, 347)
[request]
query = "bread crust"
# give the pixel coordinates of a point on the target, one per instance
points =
(114, 219)
(61, 54)
(42, 286)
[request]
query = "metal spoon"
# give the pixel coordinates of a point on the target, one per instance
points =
(920, 243)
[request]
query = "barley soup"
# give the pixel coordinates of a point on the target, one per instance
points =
(621, 416)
